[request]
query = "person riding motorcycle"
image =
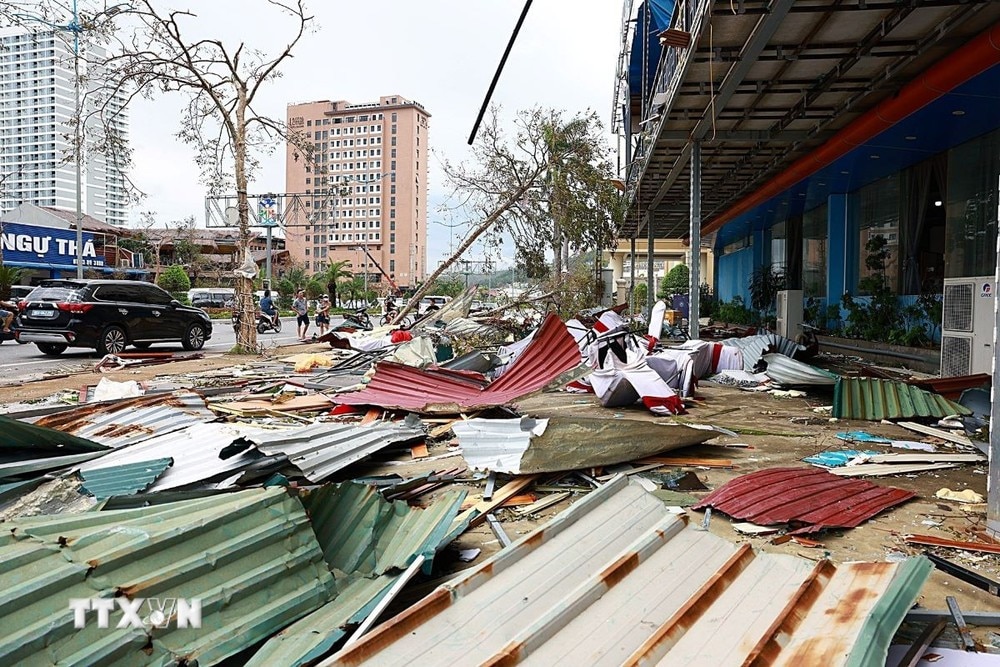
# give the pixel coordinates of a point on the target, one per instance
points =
(267, 306)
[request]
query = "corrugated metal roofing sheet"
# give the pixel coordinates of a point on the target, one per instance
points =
(312, 636)
(578, 591)
(38, 441)
(524, 445)
(551, 353)
(123, 480)
(754, 347)
(29, 467)
(250, 557)
(323, 448)
(362, 532)
(808, 496)
(875, 400)
(133, 420)
(196, 451)
(784, 370)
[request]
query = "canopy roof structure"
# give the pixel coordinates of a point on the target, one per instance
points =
(795, 100)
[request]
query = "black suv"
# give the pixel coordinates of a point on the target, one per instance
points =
(107, 315)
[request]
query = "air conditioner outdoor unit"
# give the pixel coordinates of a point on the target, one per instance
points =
(967, 326)
(789, 319)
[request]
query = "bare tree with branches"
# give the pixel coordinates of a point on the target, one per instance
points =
(224, 84)
(546, 183)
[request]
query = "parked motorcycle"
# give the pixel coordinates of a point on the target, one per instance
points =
(264, 323)
(357, 320)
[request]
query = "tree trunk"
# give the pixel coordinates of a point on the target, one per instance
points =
(246, 336)
(465, 245)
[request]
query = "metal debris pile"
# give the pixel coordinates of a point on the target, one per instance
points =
(303, 499)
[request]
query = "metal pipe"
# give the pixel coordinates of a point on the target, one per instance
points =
(650, 278)
(866, 350)
(78, 139)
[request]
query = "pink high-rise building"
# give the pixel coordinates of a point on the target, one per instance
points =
(363, 187)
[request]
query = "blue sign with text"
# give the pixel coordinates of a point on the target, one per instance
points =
(32, 244)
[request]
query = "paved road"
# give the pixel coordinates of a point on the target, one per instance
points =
(21, 360)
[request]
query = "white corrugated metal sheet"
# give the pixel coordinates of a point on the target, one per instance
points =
(321, 449)
(497, 444)
(787, 371)
(617, 579)
(196, 452)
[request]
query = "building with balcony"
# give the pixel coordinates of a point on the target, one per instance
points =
(363, 188)
(37, 112)
(791, 133)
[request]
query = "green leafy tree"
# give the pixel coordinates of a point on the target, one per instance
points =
(675, 282)
(9, 275)
(175, 280)
(285, 293)
(335, 274)
(314, 289)
(639, 296)
(547, 184)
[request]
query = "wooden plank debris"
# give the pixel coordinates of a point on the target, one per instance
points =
(371, 416)
(419, 451)
(476, 514)
(922, 643)
(688, 461)
(520, 500)
(543, 503)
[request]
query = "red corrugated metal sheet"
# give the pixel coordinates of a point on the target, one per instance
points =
(551, 352)
(803, 495)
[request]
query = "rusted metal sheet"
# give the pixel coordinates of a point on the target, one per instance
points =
(578, 591)
(952, 388)
(551, 353)
(132, 420)
(874, 400)
(808, 496)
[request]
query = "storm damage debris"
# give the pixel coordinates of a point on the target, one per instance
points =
(551, 353)
(581, 588)
(525, 445)
(809, 498)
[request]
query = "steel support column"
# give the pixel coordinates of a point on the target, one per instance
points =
(633, 306)
(694, 286)
(650, 277)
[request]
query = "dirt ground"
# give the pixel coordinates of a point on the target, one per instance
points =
(784, 431)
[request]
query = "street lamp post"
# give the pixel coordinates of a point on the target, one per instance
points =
(76, 28)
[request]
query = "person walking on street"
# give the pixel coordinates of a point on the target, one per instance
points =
(323, 314)
(301, 308)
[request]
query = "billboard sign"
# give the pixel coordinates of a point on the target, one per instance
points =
(33, 244)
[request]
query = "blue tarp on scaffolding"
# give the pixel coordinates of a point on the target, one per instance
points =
(653, 18)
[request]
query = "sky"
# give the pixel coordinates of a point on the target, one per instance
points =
(441, 53)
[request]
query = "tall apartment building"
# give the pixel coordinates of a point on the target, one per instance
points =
(363, 187)
(37, 108)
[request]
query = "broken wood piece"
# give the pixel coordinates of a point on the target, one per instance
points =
(371, 416)
(520, 500)
(543, 503)
(476, 514)
(932, 541)
(439, 431)
(419, 451)
(922, 643)
(805, 542)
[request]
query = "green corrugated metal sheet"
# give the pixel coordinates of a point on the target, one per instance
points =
(362, 532)
(312, 637)
(251, 557)
(874, 399)
(887, 614)
(123, 480)
(40, 441)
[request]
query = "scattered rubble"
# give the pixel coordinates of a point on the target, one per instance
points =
(307, 498)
